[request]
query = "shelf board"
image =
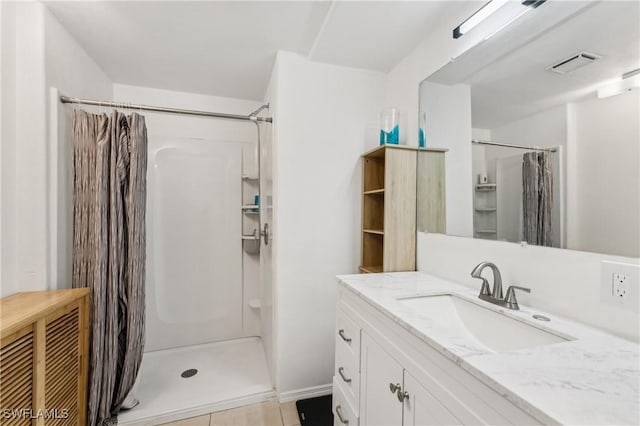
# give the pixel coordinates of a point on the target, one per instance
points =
(249, 177)
(374, 231)
(374, 191)
(485, 187)
(371, 269)
(486, 231)
(486, 210)
(379, 150)
(250, 206)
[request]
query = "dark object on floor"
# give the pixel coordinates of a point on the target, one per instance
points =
(315, 411)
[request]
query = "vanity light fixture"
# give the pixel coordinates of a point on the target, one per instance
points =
(489, 9)
(629, 81)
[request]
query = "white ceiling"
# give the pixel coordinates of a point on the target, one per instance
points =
(377, 35)
(508, 74)
(227, 48)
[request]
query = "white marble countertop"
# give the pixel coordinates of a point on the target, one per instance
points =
(591, 380)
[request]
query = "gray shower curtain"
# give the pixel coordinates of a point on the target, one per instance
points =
(537, 198)
(109, 202)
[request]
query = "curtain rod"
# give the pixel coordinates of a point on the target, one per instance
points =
(508, 145)
(250, 117)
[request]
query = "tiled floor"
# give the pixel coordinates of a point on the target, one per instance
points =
(266, 414)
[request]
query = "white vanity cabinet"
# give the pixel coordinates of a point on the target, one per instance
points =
(392, 396)
(391, 377)
(379, 403)
(422, 408)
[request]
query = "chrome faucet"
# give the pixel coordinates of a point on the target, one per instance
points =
(495, 295)
(497, 280)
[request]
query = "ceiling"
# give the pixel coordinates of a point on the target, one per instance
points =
(508, 73)
(227, 48)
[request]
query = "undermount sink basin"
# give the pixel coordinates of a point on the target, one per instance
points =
(468, 320)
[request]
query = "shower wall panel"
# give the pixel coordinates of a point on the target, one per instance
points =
(194, 289)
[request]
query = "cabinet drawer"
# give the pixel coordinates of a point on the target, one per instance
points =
(348, 336)
(347, 373)
(343, 412)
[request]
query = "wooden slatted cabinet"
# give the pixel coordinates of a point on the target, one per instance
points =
(44, 357)
(390, 175)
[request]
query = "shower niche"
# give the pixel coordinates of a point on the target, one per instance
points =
(250, 213)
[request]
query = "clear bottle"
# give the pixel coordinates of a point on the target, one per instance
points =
(390, 126)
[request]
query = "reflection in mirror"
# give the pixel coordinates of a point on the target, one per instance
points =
(542, 123)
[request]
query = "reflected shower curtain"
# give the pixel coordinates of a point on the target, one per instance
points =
(109, 202)
(537, 198)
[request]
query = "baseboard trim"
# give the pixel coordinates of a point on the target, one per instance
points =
(305, 393)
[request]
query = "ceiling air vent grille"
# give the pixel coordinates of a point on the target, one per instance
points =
(574, 62)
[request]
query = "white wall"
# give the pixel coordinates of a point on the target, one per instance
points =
(37, 54)
(8, 283)
(70, 71)
(323, 113)
(607, 179)
(24, 149)
(547, 128)
(448, 111)
(563, 282)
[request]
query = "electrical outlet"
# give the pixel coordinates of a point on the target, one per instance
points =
(620, 285)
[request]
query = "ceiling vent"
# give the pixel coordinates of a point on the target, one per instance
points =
(574, 62)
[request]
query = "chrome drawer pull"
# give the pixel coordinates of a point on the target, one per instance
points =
(345, 338)
(339, 413)
(341, 373)
(394, 387)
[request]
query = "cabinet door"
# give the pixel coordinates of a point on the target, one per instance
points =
(422, 408)
(378, 404)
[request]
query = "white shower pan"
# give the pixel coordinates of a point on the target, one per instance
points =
(230, 374)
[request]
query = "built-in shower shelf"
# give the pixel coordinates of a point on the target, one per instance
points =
(486, 210)
(486, 231)
(251, 208)
(485, 187)
(249, 177)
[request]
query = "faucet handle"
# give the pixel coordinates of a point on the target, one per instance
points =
(510, 297)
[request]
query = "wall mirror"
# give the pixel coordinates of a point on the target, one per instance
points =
(542, 123)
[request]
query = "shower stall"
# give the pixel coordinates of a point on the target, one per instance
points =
(207, 336)
(202, 325)
(203, 349)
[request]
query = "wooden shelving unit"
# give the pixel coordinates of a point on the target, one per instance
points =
(389, 187)
(388, 209)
